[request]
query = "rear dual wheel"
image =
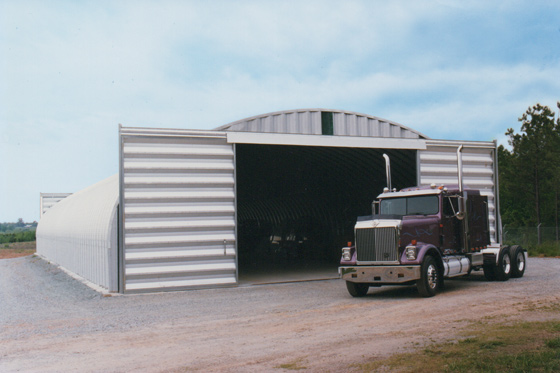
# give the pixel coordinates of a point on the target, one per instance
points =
(489, 272)
(517, 261)
(511, 263)
(503, 268)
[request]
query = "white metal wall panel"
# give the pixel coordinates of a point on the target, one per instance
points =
(80, 233)
(48, 200)
(308, 122)
(438, 165)
(178, 198)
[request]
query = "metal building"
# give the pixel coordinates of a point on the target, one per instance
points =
(80, 233)
(48, 200)
(275, 192)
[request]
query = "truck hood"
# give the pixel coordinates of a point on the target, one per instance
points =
(378, 223)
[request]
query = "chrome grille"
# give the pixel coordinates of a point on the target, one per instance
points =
(377, 244)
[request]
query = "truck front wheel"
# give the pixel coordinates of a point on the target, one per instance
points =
(357, 289)
(430, 280)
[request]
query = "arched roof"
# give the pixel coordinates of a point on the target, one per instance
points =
(314, 122)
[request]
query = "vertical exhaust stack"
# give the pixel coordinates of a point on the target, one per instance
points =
(388, 171)
(461, 213)
(462, 201)
(460, 167)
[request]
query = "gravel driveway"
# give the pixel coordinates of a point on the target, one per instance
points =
(50, 322)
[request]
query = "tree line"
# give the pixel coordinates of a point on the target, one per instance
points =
(529, 171)
(26, 236)
(17, 232)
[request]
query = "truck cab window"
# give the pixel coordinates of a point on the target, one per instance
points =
(393, 206)
(450, 206)
(420, 205)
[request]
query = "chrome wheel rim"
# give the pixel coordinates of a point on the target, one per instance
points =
(520, 262)
(506, 263)
(432, 276)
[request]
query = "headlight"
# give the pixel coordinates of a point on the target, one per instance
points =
(346, 256)
(411, 252)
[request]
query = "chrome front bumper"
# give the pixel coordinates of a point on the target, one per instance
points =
(380, 274)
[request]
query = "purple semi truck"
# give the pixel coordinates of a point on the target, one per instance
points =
(421, 235)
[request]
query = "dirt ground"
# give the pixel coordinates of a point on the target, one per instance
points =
(53, 323)
(16, 249)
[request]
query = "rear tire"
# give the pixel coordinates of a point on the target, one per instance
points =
(518, 261)
(357, 289)
(430, 278)
(489, 272)
(503, 269)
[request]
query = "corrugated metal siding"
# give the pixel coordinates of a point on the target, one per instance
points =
(80, 233)
(308, 122)
(438, 165)
(178, 198)
(48, 200)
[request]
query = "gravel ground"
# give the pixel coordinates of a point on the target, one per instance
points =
(51, 322)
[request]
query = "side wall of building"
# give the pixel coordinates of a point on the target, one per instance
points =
(80, 233)
(178, 210)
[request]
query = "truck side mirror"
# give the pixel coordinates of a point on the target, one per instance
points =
(456, 208)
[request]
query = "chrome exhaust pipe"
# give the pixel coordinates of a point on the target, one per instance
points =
(462, 202)
(460, 167)
(388, 171)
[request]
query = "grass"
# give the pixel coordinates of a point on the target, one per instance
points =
(549, 306)
(294, 365)
(517, 347)
(545, 250)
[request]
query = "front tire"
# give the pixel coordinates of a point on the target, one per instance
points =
(430, 278)
(518, 261)
(357, 289)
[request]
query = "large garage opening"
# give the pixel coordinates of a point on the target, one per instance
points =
(297, 205)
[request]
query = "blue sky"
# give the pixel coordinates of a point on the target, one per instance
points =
(71, 71)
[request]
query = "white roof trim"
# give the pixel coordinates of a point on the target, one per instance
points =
(465, 143)
(324, 140)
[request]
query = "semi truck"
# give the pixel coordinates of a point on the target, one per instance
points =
(423, 235)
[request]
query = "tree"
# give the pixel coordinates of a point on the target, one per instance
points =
(512, 208)
(531, 171)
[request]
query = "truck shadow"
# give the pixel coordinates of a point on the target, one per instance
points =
(476, 276)
(410, 291)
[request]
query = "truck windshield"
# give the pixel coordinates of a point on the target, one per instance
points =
(418, 205)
